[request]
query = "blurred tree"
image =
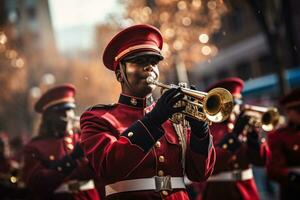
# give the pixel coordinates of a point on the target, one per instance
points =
(13, 76)
(186, 26)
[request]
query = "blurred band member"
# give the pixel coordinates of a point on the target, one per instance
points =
(132, 145)
(238, 146)
(284, 143)
(54, 164)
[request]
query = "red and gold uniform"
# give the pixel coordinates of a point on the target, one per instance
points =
(233, 177)
(284, 167)
(54, 168)
(135, 160)
(121, 148)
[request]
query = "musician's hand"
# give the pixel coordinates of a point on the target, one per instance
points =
(199, 128)
(77, 152)
(240, 123)
(164, 107)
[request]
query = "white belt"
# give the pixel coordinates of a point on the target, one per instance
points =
(156, 183)
(75, 186)
(294, 169)
(235, 175)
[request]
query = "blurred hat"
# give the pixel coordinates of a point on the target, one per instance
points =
(292, 99)
(131, 42)
(59, 97)
(234, 85)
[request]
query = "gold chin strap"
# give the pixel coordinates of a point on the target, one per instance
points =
(123, 74)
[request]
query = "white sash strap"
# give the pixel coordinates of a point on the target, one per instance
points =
(294, 169)
(156, 183)
(75, 186)
(235, 175)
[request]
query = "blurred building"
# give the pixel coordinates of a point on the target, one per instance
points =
(258, 43)
(30, 22)
(27, 25)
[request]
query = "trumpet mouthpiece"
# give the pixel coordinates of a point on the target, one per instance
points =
(150, 80)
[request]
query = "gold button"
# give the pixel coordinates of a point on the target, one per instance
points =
(68, 139)
(230, 141)
(70, 146)
(160, 173)
(59, 169)
(233, 157)
(230, 126)
(161, 159)
(295, 147)
(68, 164)
(157, 144)
(51, 157)
(130, 134)
(236, 165)
(164, 192)
(224, 146)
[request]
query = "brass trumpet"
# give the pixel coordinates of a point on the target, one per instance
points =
(216, 105)
(265, 117)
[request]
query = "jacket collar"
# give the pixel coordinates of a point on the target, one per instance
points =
(135, 101)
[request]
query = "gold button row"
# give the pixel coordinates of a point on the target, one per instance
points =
(157, 144)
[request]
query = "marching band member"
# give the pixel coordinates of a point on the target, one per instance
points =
(284, 166)
(132, 145)
(54, 163)
(238, 146)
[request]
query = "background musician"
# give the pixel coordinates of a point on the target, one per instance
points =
(284, 167)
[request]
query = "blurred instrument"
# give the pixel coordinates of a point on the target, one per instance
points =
(214, 106)
(265, 117)
(73, 124)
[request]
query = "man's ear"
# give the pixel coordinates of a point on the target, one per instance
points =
(119, 76)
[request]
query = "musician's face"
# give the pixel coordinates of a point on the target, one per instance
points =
(137, 71)
(59, 119)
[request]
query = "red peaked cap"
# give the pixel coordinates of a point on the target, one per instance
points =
(234, 85)
(292, 99)
(142, 39)
(57, 95)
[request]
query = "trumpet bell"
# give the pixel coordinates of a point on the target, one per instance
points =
(217, 105)
(270, 119)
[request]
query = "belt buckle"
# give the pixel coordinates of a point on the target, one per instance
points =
(74, 187)
(163, 183)
(237, 175)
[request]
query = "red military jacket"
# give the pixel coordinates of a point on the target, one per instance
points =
(119, 147)
(43, 180)
(240, 159)
(285, 150)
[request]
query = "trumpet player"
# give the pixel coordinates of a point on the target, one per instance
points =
(54, 163)
(237, 148)
(132, 145)
(284, 166)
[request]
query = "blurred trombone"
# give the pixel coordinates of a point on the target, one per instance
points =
(266, 118)
(214, 106)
